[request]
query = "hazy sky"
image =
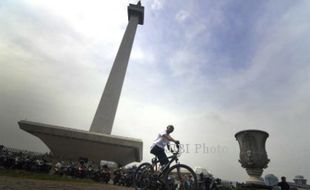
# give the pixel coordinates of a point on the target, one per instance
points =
(211, 68)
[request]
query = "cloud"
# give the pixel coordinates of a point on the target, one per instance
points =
(157, 4)
(181, 16)
(181, 63)
(276, 63)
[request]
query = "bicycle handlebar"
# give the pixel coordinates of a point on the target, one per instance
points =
(177, 144)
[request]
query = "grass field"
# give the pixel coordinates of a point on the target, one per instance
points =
(40, 176)
(25, 180)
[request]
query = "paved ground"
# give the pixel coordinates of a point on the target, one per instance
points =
(12, 183)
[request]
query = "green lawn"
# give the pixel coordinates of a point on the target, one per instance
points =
(40, 176)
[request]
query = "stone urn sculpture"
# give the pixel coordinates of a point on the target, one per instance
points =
(253, 155)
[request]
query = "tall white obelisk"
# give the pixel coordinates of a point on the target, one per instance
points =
(105, 114)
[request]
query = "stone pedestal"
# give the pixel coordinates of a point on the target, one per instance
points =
(71, 144)
(255, 187)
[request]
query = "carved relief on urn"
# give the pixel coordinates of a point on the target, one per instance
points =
(253, 155)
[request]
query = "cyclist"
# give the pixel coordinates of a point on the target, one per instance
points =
(158, 146)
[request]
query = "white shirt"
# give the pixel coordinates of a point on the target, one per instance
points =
(160, 140)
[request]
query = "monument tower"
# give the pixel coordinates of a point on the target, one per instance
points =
(105, 114)
(98, 143)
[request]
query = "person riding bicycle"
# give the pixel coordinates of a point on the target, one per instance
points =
(158, 146)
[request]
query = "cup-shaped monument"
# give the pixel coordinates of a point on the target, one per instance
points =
(253, 155)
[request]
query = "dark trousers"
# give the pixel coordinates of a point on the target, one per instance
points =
(161, 155)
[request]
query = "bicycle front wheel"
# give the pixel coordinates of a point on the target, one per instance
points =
(180, 177)
(143, 176)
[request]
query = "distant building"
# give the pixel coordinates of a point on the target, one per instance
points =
(204, 171)
(299, 180)
(271, 180)
(15, 150)
(300, 183)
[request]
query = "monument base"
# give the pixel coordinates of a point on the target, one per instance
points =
(249, 186)
(254, 176)
(71, 144)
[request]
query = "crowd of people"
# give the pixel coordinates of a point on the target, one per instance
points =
(82, 168)
(85, 169)
(208, 182)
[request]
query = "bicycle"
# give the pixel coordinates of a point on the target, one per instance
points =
(176, 177)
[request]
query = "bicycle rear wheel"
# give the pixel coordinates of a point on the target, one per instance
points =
(143, 176)
(180, 177)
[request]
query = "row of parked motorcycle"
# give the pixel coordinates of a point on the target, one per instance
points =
(82, 168)
(85, 169)
(23, 160)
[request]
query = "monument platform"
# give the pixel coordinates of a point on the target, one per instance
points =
(71, 144)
